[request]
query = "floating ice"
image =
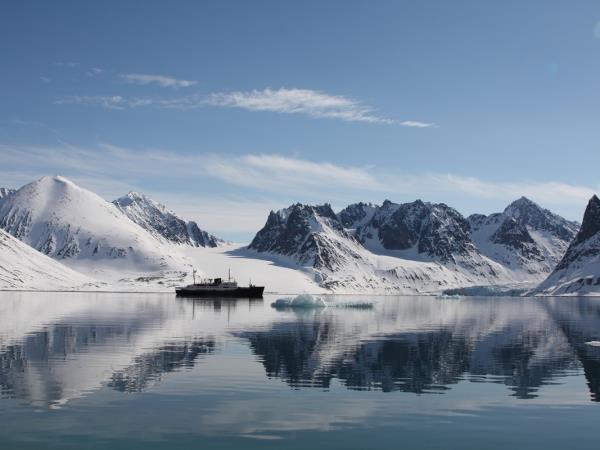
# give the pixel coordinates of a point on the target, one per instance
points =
(300, 301)
(593, 343)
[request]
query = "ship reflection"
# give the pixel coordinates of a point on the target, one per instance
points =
(219, 303)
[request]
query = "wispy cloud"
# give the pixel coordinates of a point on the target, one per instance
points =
(106, 101)
(280, 174)
(278, 179)
(45, 80)
(298, 101)
(161, 80)
(308, 102)
(416, 124)
(548, 192)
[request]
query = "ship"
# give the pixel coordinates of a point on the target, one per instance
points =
(217, 287)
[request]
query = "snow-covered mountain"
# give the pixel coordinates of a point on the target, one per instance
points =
(416, 247)
(579, 270)
(312, 237)
(423, 231)
(422, 256)
(76, 226)
(22, 267)
(163, 223)
(524, 237)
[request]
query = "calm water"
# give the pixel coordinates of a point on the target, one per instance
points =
(151, 371)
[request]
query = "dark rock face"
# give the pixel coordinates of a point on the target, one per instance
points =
(516, 236)
(287, 230)
(355, 214)
(157, 219)
(591, 221)
(305, 233)
(434, 229)
(587, 242)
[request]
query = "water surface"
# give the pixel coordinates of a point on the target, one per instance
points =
(152, 371)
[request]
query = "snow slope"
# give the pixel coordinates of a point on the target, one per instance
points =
(22, 267)
(578, 273)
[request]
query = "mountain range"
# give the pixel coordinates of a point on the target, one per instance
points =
(409, 248)
(417, 247)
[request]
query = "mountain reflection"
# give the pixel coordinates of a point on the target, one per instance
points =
(522, 344)
(52, 353)
(168, 358)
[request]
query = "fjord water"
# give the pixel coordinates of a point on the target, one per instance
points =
(152, 371)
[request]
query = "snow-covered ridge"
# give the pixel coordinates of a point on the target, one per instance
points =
(163, 223)
(578, 273)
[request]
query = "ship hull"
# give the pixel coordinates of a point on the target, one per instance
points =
(240, 292)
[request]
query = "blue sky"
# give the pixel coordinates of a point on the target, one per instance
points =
(224, 110)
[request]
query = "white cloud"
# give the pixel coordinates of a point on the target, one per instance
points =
(45, 80)
(251, 184)
(298, 101)
(161, 80)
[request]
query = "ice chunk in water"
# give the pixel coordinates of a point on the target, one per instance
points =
(300, 301)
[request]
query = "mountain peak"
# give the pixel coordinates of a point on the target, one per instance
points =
(520, 205)
(58, 179)
(524, 200)
(591, 220)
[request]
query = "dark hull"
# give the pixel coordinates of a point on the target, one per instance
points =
(240, 292)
